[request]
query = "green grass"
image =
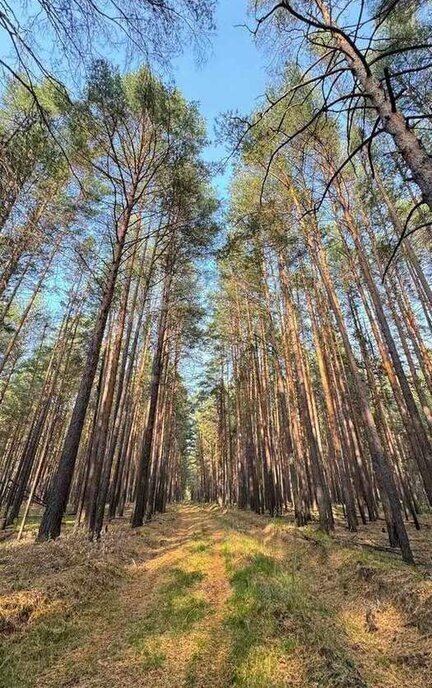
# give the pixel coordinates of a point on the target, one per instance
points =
(200, 547)
(33, 522)
(317, 535)
(191, 678)
(291, 617)
(274, 616)
(181, 580)
(44, 643)
(262, 594)
(178, 609)
(153, 658)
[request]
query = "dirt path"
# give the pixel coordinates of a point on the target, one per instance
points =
(172, 607)
(208, 598)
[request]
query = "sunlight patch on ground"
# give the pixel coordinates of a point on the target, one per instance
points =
(204, 597)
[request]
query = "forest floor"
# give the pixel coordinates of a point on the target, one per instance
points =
(204, 597)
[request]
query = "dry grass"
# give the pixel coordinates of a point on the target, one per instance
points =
(205, 597)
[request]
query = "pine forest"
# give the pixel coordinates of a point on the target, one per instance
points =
(215, 343)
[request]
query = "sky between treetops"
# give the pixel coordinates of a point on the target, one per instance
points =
(233, 76)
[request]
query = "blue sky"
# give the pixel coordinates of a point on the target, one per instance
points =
(232, 77)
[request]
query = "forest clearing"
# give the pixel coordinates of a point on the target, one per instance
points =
(208, 596)
(216, 343)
